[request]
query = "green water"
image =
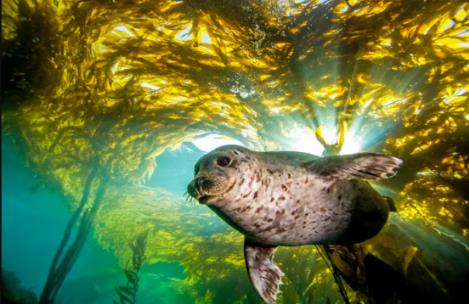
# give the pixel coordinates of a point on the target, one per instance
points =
(27, 248)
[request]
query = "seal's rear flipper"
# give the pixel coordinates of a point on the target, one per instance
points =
(391, 205)
(360, 165)
(264, 274)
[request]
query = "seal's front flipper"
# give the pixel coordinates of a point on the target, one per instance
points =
(360, 165)
(264, 274)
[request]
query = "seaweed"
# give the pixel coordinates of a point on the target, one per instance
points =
(128, 293)
(66, 256)
(25, 71)
(113, 84)
(12, 292)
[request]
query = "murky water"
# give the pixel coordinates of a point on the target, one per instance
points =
(107, 105)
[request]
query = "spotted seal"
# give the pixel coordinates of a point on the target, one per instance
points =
(290, 199)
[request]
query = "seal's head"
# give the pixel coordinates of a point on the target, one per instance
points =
(216, 174)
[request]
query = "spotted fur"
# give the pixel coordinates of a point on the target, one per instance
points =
(292, 198)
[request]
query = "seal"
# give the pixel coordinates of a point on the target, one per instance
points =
(290, 199)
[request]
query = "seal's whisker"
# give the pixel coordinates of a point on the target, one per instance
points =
(187, 198)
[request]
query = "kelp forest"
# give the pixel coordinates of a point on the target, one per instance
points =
(107, 105)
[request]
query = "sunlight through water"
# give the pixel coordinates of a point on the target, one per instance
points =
(111, 104)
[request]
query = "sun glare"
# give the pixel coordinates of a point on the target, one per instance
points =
(212, 141)
(123, 30)
(303, 140)
(351, 145)
(185, 34)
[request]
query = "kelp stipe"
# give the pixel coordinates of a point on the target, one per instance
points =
(128, 293)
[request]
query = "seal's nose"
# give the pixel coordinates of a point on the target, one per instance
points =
(201, 183)
(197, 186)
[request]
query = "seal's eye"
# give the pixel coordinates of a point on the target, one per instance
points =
(223, 161)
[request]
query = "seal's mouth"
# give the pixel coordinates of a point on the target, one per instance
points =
(204, 199)
(197, 189)
(206, 190)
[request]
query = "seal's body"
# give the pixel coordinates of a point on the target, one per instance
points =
(291, 198)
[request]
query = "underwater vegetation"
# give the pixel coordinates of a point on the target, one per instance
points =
(128, 293)
(13, 292)
(95, 92)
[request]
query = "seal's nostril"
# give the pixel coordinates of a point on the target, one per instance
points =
(200, 183)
